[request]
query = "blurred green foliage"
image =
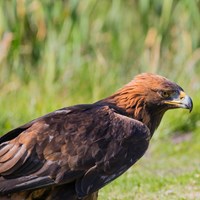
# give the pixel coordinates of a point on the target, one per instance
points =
(59, 53)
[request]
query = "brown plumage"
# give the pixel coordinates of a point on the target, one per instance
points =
(73, 152)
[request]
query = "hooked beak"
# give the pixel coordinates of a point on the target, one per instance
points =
(182, 101)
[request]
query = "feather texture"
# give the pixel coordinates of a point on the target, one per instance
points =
(73, 152)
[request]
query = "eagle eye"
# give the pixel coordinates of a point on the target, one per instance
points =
(164, 94)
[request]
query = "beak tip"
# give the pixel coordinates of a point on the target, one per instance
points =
(189, 103)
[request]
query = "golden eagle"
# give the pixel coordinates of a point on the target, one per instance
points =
(73, 152)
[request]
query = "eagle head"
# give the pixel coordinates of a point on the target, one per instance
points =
(159, 93)
(148, 96)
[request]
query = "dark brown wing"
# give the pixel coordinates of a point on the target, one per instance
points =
(129, 140)
(89, 144)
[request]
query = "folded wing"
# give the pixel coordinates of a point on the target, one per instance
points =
(89, 145)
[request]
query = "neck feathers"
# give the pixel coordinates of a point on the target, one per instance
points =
(134, 104)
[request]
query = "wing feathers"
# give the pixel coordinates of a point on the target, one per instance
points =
(11, 157)
(94, 180)
(24, 183)
(104, 147)
(41, 178)
(128, 143)
(9, 154)
(4, 148)
(31, 165)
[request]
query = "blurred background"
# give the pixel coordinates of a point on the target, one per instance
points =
(60, 53)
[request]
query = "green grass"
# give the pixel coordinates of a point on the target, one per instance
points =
(60, 53)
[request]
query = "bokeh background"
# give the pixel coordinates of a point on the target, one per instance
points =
(60, 53)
